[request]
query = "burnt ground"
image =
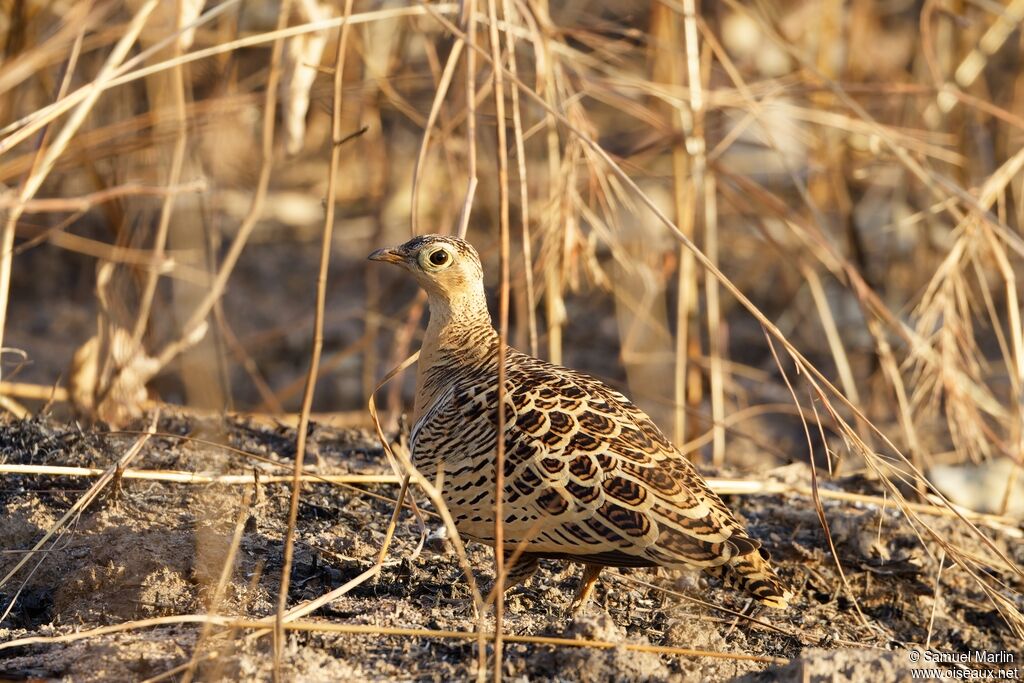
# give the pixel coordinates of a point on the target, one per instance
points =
(148, 549)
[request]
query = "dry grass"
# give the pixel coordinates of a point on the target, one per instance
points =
(719, 207)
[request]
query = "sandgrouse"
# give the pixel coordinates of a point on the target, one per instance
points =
(588, 476)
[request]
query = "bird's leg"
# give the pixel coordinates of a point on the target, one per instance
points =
(524, 567)
(515, 574)
(590, 573)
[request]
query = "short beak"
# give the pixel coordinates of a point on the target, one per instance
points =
(386, 255)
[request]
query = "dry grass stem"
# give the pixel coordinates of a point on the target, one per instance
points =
(78, 507)
(318, 332)
(790, 232)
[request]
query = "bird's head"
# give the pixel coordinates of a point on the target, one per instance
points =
(448, 268)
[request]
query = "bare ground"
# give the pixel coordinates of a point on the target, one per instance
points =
(149, 549)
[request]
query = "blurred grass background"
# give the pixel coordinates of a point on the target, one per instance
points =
(791, 231)
(854, 168)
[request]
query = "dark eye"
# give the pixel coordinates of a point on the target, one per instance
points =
(439, 257)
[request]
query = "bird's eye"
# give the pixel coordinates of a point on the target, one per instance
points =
(436, 259)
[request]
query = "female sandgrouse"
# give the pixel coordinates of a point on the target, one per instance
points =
(588, 475)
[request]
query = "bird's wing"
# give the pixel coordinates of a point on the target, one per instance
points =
(587, 473)
(584, 455)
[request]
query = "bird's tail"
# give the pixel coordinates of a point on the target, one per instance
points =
(754, 574)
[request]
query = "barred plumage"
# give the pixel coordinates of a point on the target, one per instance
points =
(588, 476)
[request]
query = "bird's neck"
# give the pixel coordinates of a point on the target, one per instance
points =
(459, 336)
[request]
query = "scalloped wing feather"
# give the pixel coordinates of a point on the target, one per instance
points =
(587, 473)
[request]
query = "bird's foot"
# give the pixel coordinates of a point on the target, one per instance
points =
(586, 589)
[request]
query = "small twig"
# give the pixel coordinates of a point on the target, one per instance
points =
(177, 164)
(503, 305)
(435, 109)
(935, 597)
(216, 288)
(263, 625)
(181, 477)
(524, 194)
(318, 338)
(721, 486)
(696, 601)
(401, 464)
(18, 131)
(225, 575)
(49, 158)
(469, 21)
(82, 503)
(88, 201)
(818, 507)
